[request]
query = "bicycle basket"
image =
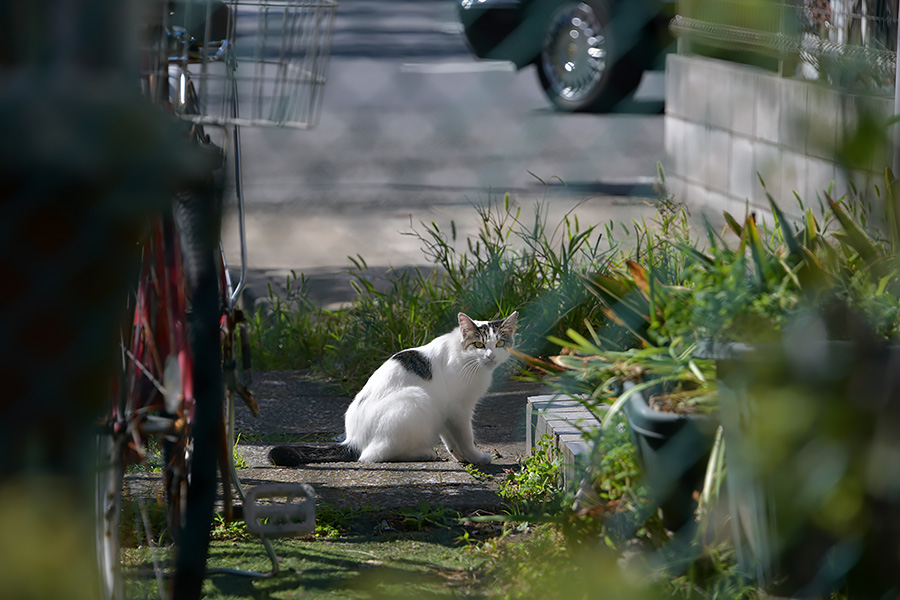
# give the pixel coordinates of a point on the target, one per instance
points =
(272, 55)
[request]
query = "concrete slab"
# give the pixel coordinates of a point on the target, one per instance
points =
(295, 409)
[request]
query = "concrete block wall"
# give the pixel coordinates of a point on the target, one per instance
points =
(726, 121)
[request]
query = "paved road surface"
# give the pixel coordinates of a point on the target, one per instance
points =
(414, 129)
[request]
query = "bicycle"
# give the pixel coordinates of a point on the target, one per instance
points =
(184, 358)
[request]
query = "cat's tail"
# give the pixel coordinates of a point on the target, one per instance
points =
(300, 454)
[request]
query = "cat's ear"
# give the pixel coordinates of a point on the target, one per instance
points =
(509, 323)
(466, 325)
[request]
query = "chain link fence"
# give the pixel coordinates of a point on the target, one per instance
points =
(851, 43)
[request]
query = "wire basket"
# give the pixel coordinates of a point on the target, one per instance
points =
(271, 55)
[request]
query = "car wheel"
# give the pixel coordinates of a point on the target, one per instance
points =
(582, 65)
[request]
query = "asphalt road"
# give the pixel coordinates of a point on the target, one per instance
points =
(414, 129)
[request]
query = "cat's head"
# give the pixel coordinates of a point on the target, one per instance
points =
(488, 341)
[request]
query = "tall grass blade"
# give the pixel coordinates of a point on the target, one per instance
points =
(757, 249)
(785, 226)
(733, 224)
(811, 231)
(854, 236)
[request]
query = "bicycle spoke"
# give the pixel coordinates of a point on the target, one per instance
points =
(146, 372)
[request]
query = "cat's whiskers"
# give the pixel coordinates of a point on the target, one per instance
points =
(469, 368)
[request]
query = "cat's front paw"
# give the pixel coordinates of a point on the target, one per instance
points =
(481, 458)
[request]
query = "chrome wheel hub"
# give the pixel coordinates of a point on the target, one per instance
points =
(575, 52)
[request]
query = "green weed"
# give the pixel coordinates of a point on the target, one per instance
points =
(426, 515)
(228, 531)
(239, 461)
(292, 332)
(476, 473)
(517, 264)
(334, 522)
(510, 264)
(537, 486)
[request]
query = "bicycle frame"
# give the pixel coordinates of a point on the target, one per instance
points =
(156, 395)
(231, 322)
(232, 317)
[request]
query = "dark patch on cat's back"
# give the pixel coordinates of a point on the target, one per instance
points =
(415, 362)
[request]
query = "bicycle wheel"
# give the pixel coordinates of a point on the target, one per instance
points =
(169, 389)
(108, 506)
(149, 409)
(144, 399)
(197, 218)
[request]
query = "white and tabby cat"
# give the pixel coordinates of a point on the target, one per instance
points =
(418, 396)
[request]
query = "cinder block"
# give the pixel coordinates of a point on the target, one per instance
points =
(674, 162)
(695, 194)
(695, 95)
(536, 415)
(819, 175)
(696, 150)
(743, 101)
(793, 179)
(717, 202)
(563, 420)
(572, 448)
(848, 116)
(718, 159)
(675, 84)
(719, 95)
(743, 169)
(767, 158)
(794, 122)
(676, 185)
(863, 182)
(823, 113)
(563, 425)
(767, 116)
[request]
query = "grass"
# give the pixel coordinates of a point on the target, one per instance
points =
(361, 553)
(394, 567)
(293, 332)
(377, 556)
(513, 263)
(388, 564)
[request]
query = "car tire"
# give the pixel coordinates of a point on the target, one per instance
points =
(584, 66)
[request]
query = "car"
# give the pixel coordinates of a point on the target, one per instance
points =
(589, 54)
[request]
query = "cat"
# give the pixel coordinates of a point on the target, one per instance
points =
(418, 396)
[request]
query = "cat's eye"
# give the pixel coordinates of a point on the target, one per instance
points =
(500, 343)
(479, 345)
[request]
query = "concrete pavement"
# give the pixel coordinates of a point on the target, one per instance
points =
(293, 408)
(317, 242)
